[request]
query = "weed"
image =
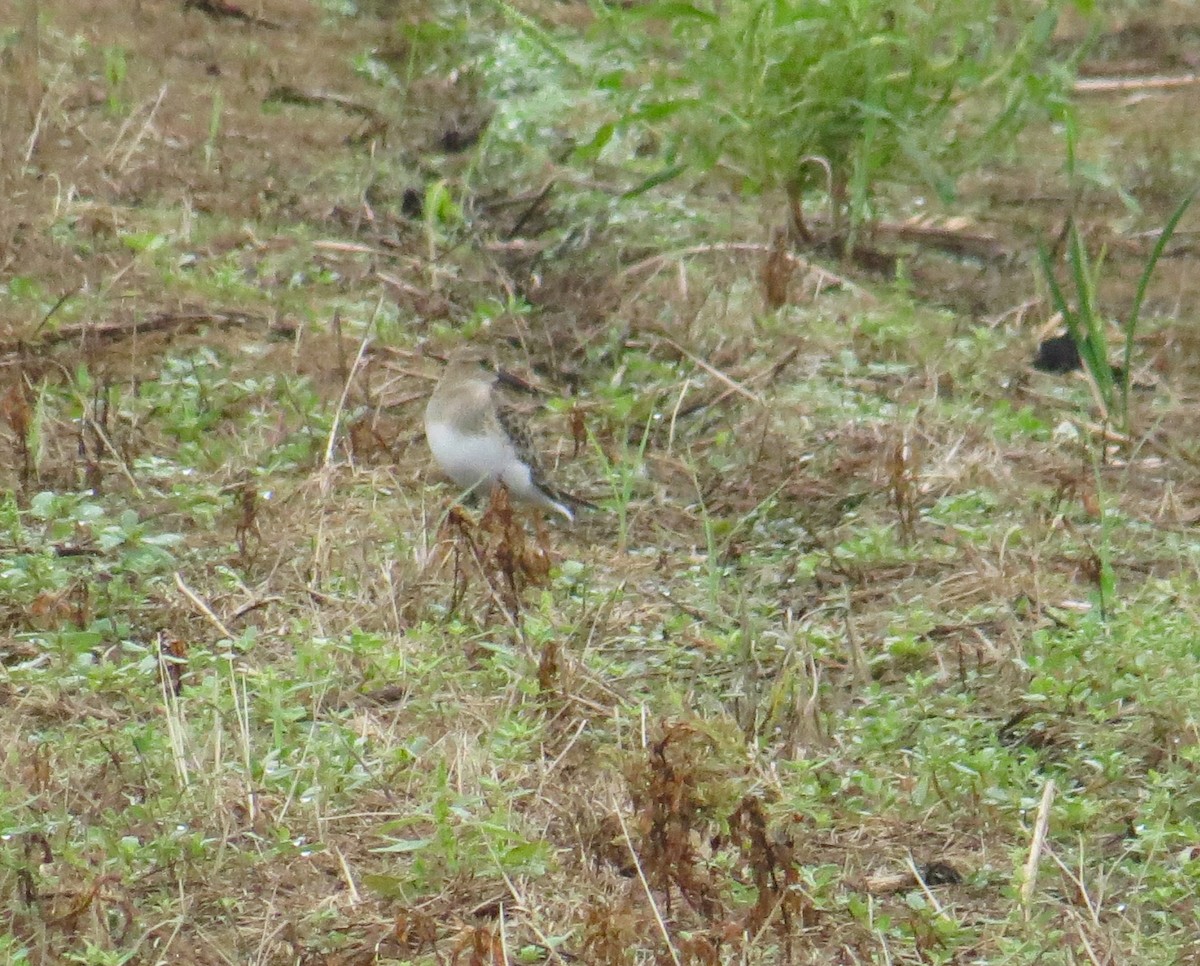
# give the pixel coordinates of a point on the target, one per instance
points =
(498, 549)
(903, 467)
(1089, 328)
(115, 70)
(785, 96)
(675, 802)
(264, 704)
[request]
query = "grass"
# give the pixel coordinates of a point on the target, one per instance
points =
(784, 97)
(862, 610)
(1082, 317)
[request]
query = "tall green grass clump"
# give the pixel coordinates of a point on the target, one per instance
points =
(841, 95)
(1088, 327)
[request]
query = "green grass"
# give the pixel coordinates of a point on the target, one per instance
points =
(856, 595)
(835, 96)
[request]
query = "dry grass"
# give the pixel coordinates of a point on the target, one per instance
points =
(794, 698)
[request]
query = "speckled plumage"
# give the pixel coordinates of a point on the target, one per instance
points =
(478, 439)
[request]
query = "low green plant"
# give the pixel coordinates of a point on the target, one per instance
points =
(461, 832)
(15, 953)
(115, 70)
(793, 95)
(94, 955)
(1088, 327)
(622, 478)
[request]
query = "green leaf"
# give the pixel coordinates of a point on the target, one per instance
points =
(405, 846)
(1144, 283)
(600, 140)
(672, 10)
(659, 110)
(385, 886)
(143, 241)
(24, 287)
(662, 177)
(42, 504)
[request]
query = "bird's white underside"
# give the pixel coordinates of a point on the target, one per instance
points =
(477, 462)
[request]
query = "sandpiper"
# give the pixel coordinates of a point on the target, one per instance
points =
(479, 440)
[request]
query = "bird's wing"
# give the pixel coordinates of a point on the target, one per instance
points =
(517, 428)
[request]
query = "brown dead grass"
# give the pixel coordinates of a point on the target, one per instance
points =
(635, 846)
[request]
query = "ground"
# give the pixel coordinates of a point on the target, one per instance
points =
(880, 648)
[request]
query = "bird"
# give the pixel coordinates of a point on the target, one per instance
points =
(479, 440)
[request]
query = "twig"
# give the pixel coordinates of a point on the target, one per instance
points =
(200, 605)
(1017, 313)
(548, 770)
(1080, 887)
(637, 865)
(355, 895)
(970, 244)
(96, 428)
(163, 322)
(883, 885)
(712, 370)
(287, 94)
(770, 372)
(1036, 844)
(858, 659)
(62, 300)
(930, 897)
(221, 8)
(40, 115)
(823, 274)
(530, 211)
(1087, 948)
(133, 145)
(351, 248)
(675, 413)
(341, 404)
(1153, 82)
(1108, 435)
(551, 953)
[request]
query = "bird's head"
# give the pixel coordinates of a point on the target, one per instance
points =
(469, 359)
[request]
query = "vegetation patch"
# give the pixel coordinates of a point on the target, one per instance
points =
(881, 646)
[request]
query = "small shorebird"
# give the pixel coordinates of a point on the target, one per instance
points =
(479, 440)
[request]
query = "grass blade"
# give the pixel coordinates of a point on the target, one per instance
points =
(1143, 283)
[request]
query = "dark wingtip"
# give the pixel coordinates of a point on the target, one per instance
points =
(566, 503)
